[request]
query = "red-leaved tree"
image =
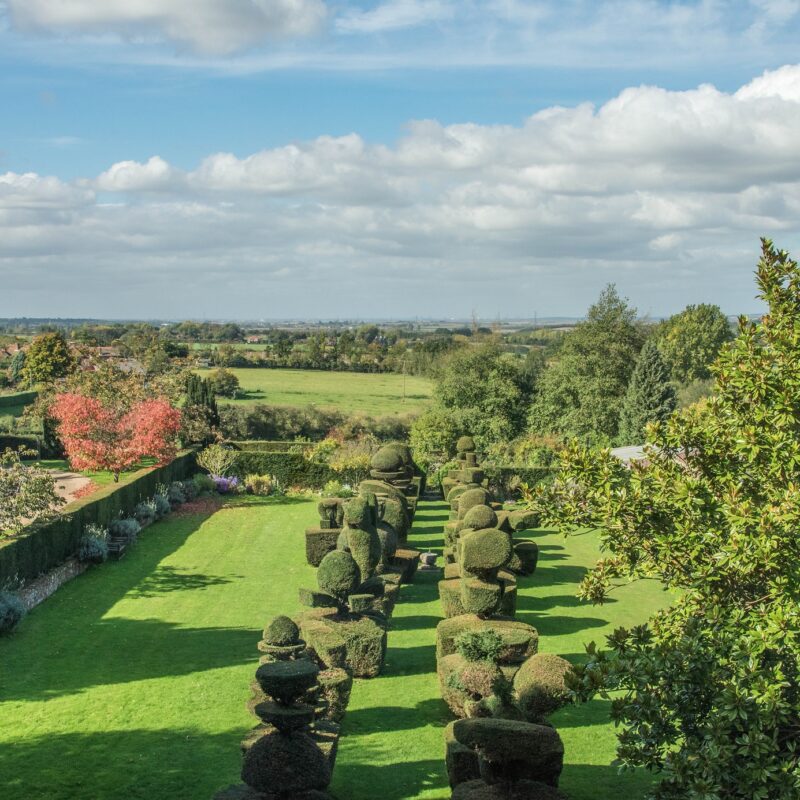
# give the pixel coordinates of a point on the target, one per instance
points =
(109, 436)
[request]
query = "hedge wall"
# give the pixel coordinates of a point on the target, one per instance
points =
(40, 547)
(18, 399)
(291, 469)
(267, 446)
(14, 441)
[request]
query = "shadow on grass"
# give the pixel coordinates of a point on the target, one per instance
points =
(417, 660)
(173, 579)
(365, 721)
(414, 622)
(389, 781)
(177, 763)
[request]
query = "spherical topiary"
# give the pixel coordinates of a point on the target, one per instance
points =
(470, 498)
(485, 550)
(540, 685)
(466, 444)
(338, 574)
(387, 459)
(480, 517)
(403, 450)
(282, 632)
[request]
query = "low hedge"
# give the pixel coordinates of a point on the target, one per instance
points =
(14, 441)
(267, 446)
(42, 546)
(291, 469)
(17, 399)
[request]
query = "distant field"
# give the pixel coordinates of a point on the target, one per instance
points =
(372, 393)
(235, 345)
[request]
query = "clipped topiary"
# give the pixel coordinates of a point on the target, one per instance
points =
(338, 575)
(387, 459)
(465, 444)
(480, 516)
(282, 631)
(470, 498)
(479, 645)
(540, 685)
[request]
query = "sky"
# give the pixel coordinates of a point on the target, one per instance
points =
(334, 159)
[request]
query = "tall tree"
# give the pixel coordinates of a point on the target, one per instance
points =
(16, 370)
(48, 358)
(650, 396)
(709, 689)
(690, 341)
(581, 393)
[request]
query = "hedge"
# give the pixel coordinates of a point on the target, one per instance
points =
(17, 399)
(291, 469)
(268, 446)
(15, 441)
(40, 547)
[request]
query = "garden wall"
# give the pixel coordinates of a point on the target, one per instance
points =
(42, 546)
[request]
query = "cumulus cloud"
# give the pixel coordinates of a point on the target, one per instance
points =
(215, 27)
(651, 186)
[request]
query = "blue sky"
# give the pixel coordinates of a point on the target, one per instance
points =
(254, 158)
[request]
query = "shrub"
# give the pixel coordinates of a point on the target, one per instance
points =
(282, 631)
(336, 488)
(485, 645)
(124, 528)
(190, 490)
(162, 505)
(175, 494)
(338, 574)
(225, 485)
(204, 484)
(11, 612)
(216, 459)
(145, 512)
(259, 484)
(93, 548)
(540, 685)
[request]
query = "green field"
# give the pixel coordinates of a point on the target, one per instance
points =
(130, 682)
(371, 393)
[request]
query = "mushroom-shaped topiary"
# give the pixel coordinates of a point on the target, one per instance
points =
(470, 498)
(465, 444)
(338, 575)
(540, 685)
(287, 681)
(282, 632)
(387, 459)
(480, 516)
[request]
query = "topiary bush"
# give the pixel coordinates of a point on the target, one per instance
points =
(338, 575)
(480, 645)
(540, 685)
(481, 516)
(465, 444)
(282, 631)
(11, 612)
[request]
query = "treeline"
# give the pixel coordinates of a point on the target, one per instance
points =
(600, 382)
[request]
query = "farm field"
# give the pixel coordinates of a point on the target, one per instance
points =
(370, 393)
(131, 680)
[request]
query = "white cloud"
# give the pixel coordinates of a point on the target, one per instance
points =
(215, 27)
(395, 15)
(652, 185)
(132, 176)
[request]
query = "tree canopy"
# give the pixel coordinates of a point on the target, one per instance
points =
(710, 687)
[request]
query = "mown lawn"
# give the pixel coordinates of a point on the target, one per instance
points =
(130, 682)
(371, 393)
(100, 477)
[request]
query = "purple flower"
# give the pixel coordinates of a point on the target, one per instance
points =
(225, 485)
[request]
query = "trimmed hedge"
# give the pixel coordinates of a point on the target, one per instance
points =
(14, 441)
(268, 446)
(17, 399)
(291, 469)
(42, 546)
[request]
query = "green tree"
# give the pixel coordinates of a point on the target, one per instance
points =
(200, 415)
(709, 689)
(16, 370)
(690, 341)
(487, 389)
(224, 382)
(48, 358)
(581, 394)
(27, 492)
(650, 396)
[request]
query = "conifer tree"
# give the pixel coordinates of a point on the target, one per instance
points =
(650, 396)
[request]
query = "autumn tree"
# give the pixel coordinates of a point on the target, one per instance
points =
(108, 434)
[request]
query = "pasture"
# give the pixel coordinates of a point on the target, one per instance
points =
(375, 394)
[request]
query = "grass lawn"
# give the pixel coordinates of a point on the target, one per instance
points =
(101, 478)
(130, 682)
(371, 393)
